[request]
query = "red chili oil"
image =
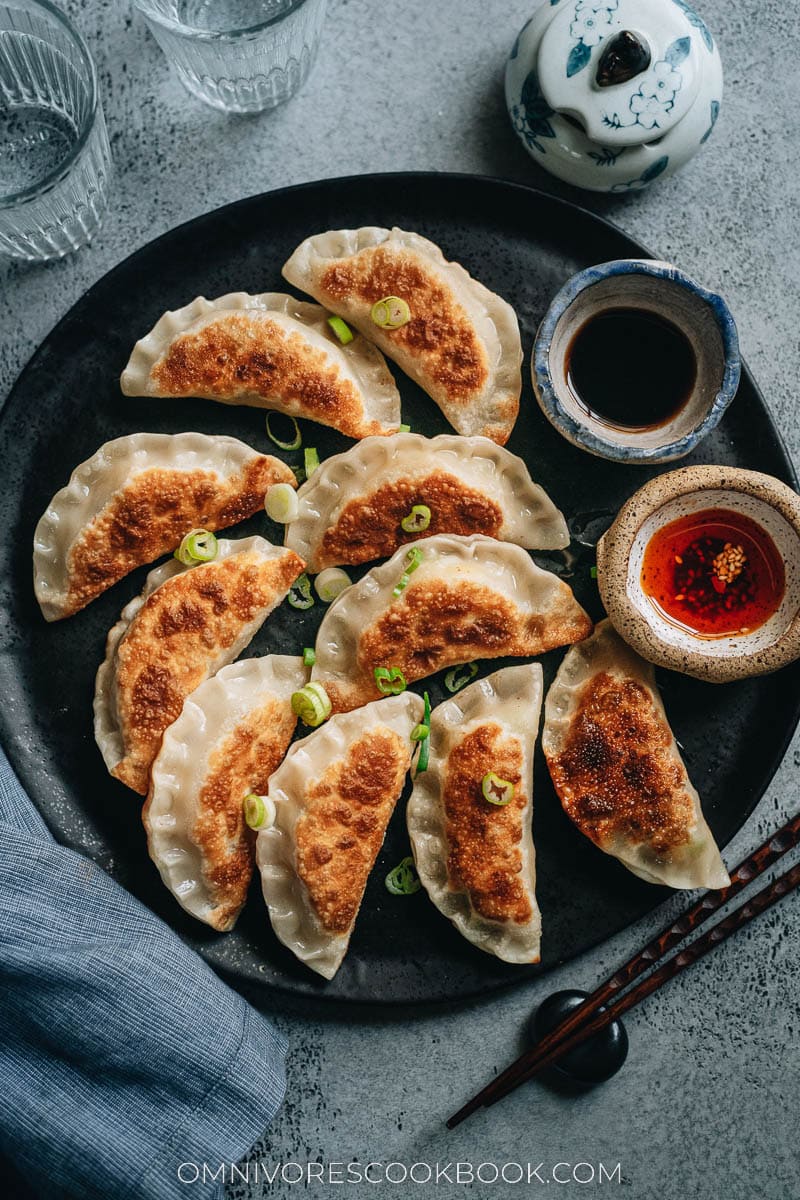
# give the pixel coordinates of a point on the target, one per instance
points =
(715, 572)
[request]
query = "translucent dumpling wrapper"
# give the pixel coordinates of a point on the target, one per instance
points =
(475, 858)
(232, 733)
(617, 769)
(133, 501)
(460, 343)
(467, 598)
(187, 623)
(363, 504)
(334, 795)
(269, 351)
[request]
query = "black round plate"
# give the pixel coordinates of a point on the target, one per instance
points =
(67, 402)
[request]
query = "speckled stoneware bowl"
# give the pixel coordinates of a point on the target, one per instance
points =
(620, 552)
(655, 287)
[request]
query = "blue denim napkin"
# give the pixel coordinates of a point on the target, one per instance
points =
(122, 1055)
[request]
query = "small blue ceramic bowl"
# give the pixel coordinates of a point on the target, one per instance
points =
(659, 288)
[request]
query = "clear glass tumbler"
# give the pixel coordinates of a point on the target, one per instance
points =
(55, 161)
(238, 55)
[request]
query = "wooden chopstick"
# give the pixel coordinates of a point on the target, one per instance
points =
(579, 1021)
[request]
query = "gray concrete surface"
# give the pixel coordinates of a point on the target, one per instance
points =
(707, 1105)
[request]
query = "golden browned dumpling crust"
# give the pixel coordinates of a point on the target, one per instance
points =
(240, 355)
(370, 528)
(440, 335)
(440, 624)
(153, 513)
(242, 764)
(484, 839)
(341, 828)
(181, 630)
(615, 777)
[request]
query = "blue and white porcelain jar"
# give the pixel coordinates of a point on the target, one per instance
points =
(612, 94)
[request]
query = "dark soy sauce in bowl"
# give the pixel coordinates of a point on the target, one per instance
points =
(631, 368)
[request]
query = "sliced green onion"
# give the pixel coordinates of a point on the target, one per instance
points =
(418, 519)
(309, 656)
(593, 572)
(420, 732)
(300, 593)
(281, 503)
(311, 461)
(259, 811)
(403, 879)
(299, 473)
(199, 546)
(342, 330)
(311, 704)
(391, 312)
(390, 681)
(413, 559)
(425, 743)
(331, 582)
(458, 677)
(496, 790)
(297, 439)
(404, 429)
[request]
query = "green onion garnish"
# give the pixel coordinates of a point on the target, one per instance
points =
(390, 681)
(391, 312)
(300, 593)
(299, 473)
(496, 790)
(418, 519)
(342, 330)
(593, 572)
(281, 503)
(296, 441)
(403, 879)
(425, 743)
(311, 704)
(413, 559)
(458, 677)
(309, 656)
(311, 460)
(331, 582)
(259, 811)
(404, 429)
(420, 732)
(199, 546)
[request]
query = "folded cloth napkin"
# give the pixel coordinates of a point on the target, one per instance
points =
(122, 1055)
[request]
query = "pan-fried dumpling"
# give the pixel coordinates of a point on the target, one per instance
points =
(475, 858)
(469, 597)
(352, 506)
(232, 734)
(334, 795)
(187, 624)
(461, 343)
(133, 501)
(618, 771)
(268, 351)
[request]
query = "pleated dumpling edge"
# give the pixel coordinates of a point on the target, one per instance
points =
(267, 351)
(476, 860)
(461, 342)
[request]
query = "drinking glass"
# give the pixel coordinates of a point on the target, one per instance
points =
(55, 161)
(238, 55)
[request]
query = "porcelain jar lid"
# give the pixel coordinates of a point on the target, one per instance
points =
(626, 70)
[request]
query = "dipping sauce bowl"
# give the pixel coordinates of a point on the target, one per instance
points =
(700, 572)
(651, 310)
